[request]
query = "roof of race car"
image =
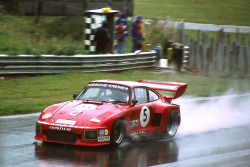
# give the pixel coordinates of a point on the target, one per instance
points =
(121, 82)
(177, 87)
(160, 85)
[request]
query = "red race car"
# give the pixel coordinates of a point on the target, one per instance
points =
(107, 111)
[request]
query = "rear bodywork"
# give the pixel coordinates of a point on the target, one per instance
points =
(89, 123)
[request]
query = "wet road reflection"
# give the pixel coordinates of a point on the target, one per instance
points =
(145, 153)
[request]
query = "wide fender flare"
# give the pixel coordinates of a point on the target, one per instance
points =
(109, 122)
(169, 110)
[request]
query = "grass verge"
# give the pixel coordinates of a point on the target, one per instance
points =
(227, 12)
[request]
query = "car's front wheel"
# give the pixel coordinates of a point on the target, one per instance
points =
(117, 133)
(172, 125)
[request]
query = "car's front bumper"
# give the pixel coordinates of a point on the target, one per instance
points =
(84, 136)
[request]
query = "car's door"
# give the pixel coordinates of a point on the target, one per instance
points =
(142, 113)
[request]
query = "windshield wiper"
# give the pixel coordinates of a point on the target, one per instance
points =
(93, 101)
(118, 101)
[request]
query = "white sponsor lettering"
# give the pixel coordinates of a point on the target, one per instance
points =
(137, 133)
(109, 86)
(103, 138)
(134, 123)
(68, 122)
(60, 128)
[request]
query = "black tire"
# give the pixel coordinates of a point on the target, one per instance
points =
(172, 125)
(117, 133)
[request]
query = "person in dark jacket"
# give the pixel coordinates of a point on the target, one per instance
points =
(137, 34)
(102, 38)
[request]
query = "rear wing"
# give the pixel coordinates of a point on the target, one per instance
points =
(176, 87)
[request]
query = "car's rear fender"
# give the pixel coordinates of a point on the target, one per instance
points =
(168, 111)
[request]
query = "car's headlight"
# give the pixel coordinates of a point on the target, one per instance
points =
(46, 116)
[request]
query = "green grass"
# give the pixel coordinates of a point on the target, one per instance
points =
(33, 94)
(223, 12)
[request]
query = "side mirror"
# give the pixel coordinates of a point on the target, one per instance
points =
(134, 102)
(75, 95)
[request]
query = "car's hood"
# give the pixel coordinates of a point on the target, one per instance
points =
(79, 113)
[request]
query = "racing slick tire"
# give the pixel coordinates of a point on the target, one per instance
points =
(172, 125)
(117, 133)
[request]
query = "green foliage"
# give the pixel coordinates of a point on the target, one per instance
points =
(65, 26)
(156, 33)
(59, 36)
(71, 49)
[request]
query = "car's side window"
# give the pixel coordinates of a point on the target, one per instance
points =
(140, 94)
(152, 96)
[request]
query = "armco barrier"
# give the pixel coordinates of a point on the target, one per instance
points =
(50, 64)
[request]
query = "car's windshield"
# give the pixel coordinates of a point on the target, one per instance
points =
(105, 92)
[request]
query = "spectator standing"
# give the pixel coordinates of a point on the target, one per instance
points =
(137, 34)
(119, 17)
(121, 31)
(102, 39)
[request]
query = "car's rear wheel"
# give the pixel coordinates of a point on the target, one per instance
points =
(117, 133)
(172, 125)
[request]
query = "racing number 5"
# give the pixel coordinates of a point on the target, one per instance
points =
(144, 116)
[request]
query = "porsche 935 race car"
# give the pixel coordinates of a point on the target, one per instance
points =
(107, 111)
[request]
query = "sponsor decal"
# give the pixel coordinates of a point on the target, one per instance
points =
(104, 132)
(63, 121)
(125, 88)
(95, 120)
(75, 112)
(103, 138)
(85, 107)
(134, 123)
(59, 128)
(137, 133)
(88, 106)
(144, 116)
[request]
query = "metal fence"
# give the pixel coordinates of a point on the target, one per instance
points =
(221, 54)
(49, 64)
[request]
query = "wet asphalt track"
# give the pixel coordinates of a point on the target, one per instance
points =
(213, 132)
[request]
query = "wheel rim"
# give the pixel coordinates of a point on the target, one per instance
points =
(118, 133)
(172, 124)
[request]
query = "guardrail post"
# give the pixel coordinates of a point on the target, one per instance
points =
(186, 53)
